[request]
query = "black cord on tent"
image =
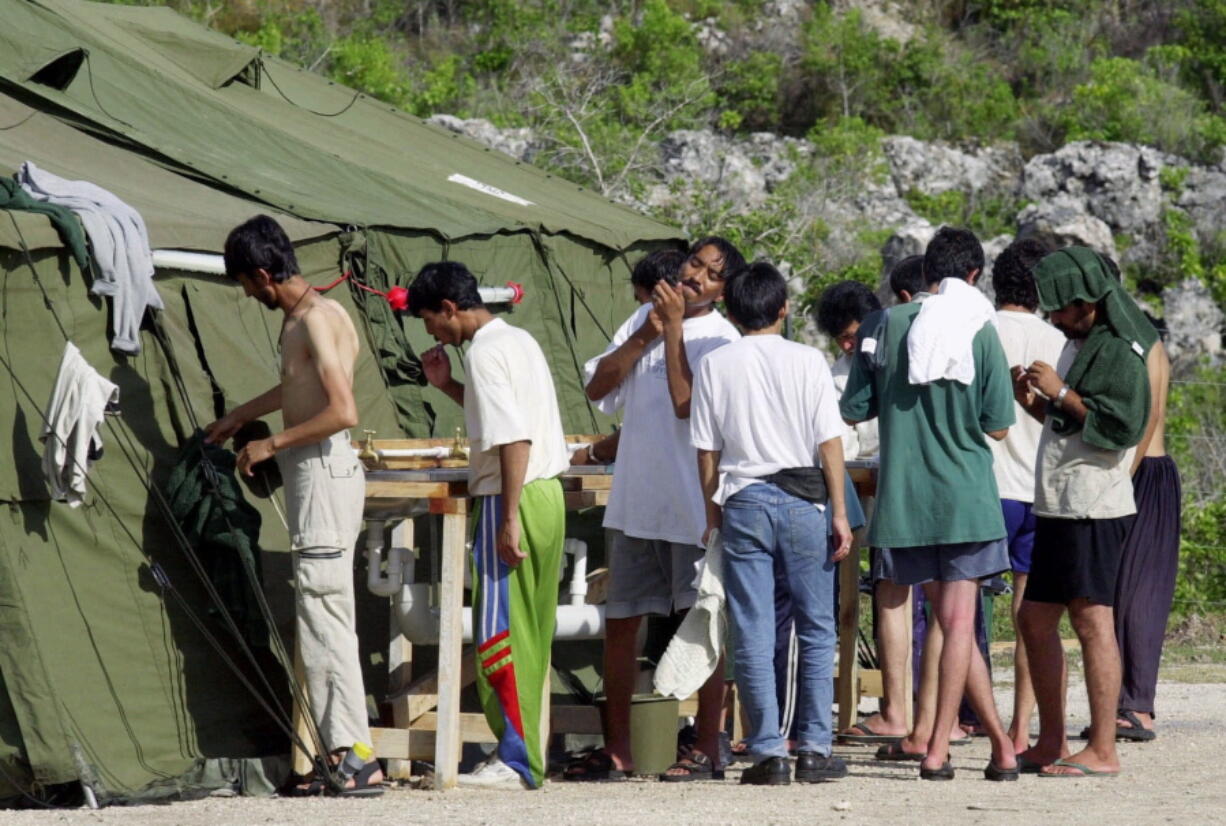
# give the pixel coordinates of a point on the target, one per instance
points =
(89, 73)
(21, 122)
(34, 271)
(348, 106)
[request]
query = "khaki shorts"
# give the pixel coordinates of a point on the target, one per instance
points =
(649, 576)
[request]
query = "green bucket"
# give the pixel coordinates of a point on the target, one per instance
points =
(653, 733)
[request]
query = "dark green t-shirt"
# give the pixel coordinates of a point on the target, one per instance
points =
(935, 485)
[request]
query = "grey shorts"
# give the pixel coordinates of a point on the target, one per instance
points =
(941, 563)
(649, 576)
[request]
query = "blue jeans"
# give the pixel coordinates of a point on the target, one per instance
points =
(763, 527)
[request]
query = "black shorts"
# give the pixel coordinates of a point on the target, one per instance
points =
(1076, 558)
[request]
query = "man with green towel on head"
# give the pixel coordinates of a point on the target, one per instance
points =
(1094, 404)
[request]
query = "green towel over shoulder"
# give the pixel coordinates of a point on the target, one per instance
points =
(1109, 372)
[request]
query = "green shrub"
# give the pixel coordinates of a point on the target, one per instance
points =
(367, 63)
(750, 88)
(1127, 100)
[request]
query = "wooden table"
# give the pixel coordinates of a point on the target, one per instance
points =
(427, 720)
(426, 717)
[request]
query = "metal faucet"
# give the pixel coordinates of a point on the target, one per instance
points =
(459, 450)
(368, 454)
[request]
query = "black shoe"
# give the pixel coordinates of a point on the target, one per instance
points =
(812, 767)
(773, 771)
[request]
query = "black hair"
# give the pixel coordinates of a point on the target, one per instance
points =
(1012, 273)
(952, 253)
(843, 303)
(755, 296)
(661, 265)
(908, 274)
(443, 280)
(734, 262)
(259, 243)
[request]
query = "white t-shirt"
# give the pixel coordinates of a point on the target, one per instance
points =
(1079, 481)
(765, 403)
(859, 440)
(1025, 338)
(655, 493)
(509, 397)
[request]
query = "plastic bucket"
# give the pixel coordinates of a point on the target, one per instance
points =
(653, 733)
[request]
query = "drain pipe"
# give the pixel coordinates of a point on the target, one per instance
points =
(379, 582)
(419, 620)
(578, 578)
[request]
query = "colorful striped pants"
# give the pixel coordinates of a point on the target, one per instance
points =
(514, 612)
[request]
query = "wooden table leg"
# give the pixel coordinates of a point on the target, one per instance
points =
(400, 657)
(450, 639)
(848, 682)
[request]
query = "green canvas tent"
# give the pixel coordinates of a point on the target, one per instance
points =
(104, 675)
(223, 112)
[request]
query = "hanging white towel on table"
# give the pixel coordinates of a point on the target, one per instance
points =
(71, 436)
(940, 338)
(120, 245)
(693, 654)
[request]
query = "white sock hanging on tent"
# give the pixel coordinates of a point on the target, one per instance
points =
(71, 436)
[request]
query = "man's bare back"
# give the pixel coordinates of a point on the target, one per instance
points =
(315, 340)
(1153, 443)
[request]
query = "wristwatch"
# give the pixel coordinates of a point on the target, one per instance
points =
(1058, 401)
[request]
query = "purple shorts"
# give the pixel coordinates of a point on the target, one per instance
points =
(1020, 525)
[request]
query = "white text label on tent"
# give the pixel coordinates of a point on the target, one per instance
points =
(464, 180)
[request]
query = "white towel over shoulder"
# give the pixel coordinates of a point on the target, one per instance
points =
(70, 435)
(120, 245)
(693, 654)
(939, 341)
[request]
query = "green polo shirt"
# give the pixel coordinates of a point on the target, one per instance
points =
(935, 484)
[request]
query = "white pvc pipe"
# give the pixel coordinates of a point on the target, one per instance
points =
(419, 621)
(189, 261)
(213, 264)
(379, 582)
(578, 578)
(414, 452)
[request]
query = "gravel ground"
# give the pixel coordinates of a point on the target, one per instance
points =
(1176, 778)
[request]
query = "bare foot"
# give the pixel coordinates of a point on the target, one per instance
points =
(1147, 721)
(1042, 758)
(1091, 760)
(878, 725)
(1021, 739)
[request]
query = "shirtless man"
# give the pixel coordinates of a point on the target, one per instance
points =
(324, 482)
(1148, 564)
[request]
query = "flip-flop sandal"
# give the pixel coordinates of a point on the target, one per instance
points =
(362, 787)
(994, 772)
(739, 751)
(1134, 732)
(1029, 766)
(861, 733)
(593, 767)
(945, 772)
(894, 751)
(308, 788)
(1085, 770)
(696, 767)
